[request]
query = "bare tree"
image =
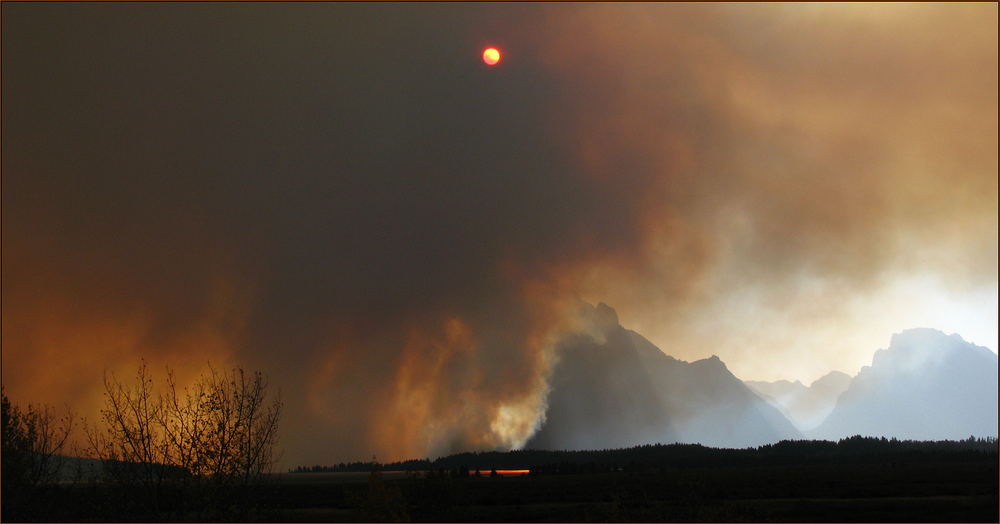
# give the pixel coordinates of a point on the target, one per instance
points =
(133, 448)
(207, 450)
(32, 460)
(239, 438)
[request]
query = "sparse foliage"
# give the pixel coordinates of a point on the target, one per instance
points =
(33, 441)
(207, 451)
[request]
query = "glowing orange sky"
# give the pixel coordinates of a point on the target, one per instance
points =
(342, 196)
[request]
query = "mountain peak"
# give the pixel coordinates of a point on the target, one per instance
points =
(917, 348)
(806, 407)
(914, 336)
(606, 314)
(925, 386)
(833, 377)
(712, 362)
(611, 388)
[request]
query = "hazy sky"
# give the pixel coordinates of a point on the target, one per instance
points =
(347, 198)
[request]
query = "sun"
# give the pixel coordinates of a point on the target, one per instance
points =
(491, 56)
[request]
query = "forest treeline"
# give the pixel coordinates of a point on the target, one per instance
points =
(856, 449)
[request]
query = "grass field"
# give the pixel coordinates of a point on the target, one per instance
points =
(854, 480)
(890, 492)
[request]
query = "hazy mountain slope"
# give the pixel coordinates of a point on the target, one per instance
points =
(601, 397)
(806, 406)
(613, 388)
(708, 404)
(925, 386)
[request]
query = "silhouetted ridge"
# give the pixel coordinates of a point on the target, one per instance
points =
(926, 386)
(613, 388)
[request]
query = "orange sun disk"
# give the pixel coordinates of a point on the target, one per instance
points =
(491, 56)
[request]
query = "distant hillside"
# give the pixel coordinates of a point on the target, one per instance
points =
(613, 388)
(806, 406)
(925, 386)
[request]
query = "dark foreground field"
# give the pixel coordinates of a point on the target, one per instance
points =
(853, 480)
(877, 492)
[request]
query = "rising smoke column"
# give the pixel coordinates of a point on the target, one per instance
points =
(343, 197)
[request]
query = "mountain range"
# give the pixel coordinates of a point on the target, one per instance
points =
(612, 388)
(805, 406)
(925, 386)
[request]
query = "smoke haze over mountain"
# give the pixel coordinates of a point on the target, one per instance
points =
(925, 386)
(612, 388)
(344, 196)
(806, 406)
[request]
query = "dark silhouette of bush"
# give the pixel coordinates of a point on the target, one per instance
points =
(380, 503)
(433, 495)
(32, 443)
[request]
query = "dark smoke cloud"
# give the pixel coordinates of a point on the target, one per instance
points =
(805, 158)
(346, 197)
